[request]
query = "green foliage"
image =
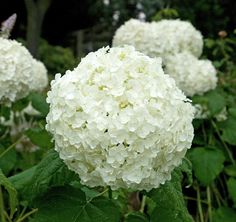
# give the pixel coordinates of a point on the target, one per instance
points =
(167, 13)
(56, 58)
(207, 163)
(70, 204)
(39, 137)
(224, 214)
(39, 103)
(231, 184)
(11, 191)
(136, 217)
(51, 171)
(170, 205)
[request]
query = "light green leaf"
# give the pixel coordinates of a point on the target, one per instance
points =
(216, 101)
(62, 204)
(170, 204)
(207, 163)
(224, 214)
(11, 191)
(231, 184)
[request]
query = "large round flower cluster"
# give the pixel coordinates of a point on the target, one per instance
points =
(160, 39)
(17, 71)
(118, 120)
(179, 44)
(192, 75)
(137, 34)
(40, 80)
(175, 36)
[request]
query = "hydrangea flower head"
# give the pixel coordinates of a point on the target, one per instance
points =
(160, 39)
(119, 121)
(193, 76)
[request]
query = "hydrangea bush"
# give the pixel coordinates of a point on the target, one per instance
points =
(121, 129)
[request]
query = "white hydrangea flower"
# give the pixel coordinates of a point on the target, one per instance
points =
(192, 76)
(118, 120)
(40, 80)
(16, 71)
(160, 39)
(175, 36)
(136, 33)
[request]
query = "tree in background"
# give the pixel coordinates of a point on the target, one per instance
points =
(36, 10)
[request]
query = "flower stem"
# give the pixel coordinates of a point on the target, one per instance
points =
(2, 206)
(199, 205)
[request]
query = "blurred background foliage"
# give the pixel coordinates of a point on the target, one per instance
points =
(84, 26)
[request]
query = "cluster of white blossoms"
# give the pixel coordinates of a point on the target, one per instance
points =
(118, 120)
(18, 72)
(160, 39)
(192, 75)
(40, 80)
(179, 44)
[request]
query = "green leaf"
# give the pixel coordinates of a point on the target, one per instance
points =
(8, 161)
(170, 204)
(230, 170)
(224, 214)
(11, 191)
(229, 127)
(207, 163)
(216, 101)
(39, 103)
(136, 217)
(231, 184)
(51, 171)
(39, 137)
(62, 204)
(186, 168)
(20, 104)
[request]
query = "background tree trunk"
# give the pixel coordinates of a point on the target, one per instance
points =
(36, 10)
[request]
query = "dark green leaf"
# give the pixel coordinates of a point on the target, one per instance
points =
(69, 204)
(51, 171)
(39, 137)
(230, 170)
(8, 161)
(224, 214)
(136, 217)
(207, 163)
(231, 184)
(20, 104)
(11, 191)
(39, 103)
(170, 204)
(229, 127)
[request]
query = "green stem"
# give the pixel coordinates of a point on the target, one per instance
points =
(224, 144)
(194, 199)
(199, 205)
(27, 215)
(10, 147)
(143, 203)
(2, 206)
(209, 203)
